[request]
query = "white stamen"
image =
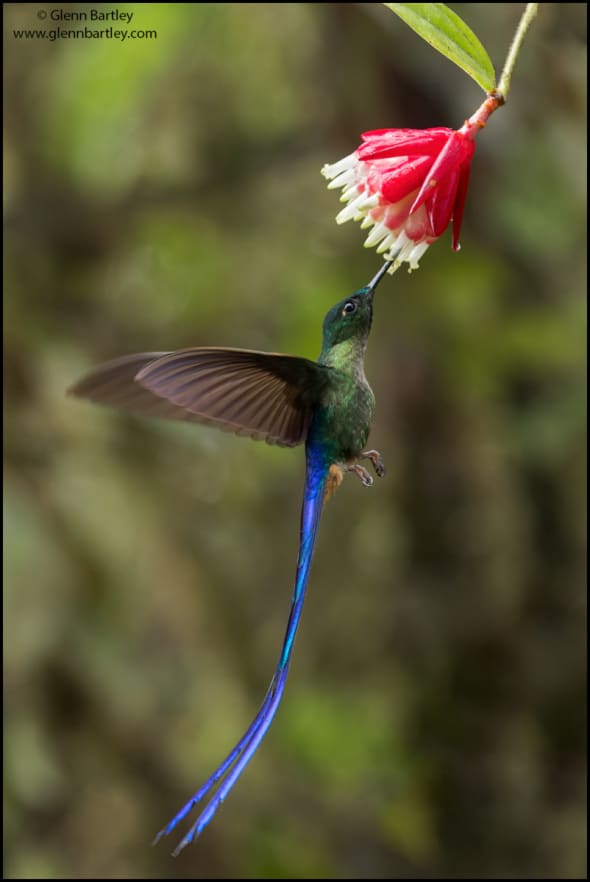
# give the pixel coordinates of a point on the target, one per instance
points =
(398, 249)
(378, 232)
(371, 201)
(345, 215)
(403, 241)
(349, 193)
(348, 162)
(352, 208)
(388, 242)
(416, 253)
(409, 252)
(344, 179)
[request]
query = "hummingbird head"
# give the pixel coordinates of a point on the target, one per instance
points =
(352, 317)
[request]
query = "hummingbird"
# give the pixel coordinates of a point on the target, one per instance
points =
(327, 405)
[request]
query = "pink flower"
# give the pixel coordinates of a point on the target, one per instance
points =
(408, 185)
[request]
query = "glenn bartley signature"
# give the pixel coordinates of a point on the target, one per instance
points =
(91, 15)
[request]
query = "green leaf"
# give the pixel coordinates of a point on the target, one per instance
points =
(446, 32)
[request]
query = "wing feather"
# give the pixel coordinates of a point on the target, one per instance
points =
(266, 396)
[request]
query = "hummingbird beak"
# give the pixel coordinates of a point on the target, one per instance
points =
(375, 281)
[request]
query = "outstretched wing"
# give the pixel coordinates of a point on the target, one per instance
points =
(263, 395)
(113, 383)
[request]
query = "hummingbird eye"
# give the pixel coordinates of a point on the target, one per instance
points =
(349, 307)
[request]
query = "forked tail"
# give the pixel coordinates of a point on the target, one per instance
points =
(236, 761)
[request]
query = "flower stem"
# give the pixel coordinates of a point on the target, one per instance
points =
(498, 96)
(527, 17)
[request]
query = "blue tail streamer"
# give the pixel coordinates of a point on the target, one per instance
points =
(238, 758)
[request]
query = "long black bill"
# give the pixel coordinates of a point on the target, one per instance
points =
(375, 281)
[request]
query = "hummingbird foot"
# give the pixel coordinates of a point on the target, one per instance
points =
(362, 473)
(376, 460)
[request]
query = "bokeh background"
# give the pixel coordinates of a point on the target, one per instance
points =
(166, 192)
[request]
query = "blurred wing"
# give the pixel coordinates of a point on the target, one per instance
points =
(265, 396)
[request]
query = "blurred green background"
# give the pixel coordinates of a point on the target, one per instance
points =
(166, 192)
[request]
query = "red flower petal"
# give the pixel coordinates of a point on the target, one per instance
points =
(460, 203)
(383, 143)
(418, 227)
(456, 151)
(440, 205)
(395, 216)
(404, 178)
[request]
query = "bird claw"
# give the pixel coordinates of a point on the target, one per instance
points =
(376, 461)
(361, 472)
